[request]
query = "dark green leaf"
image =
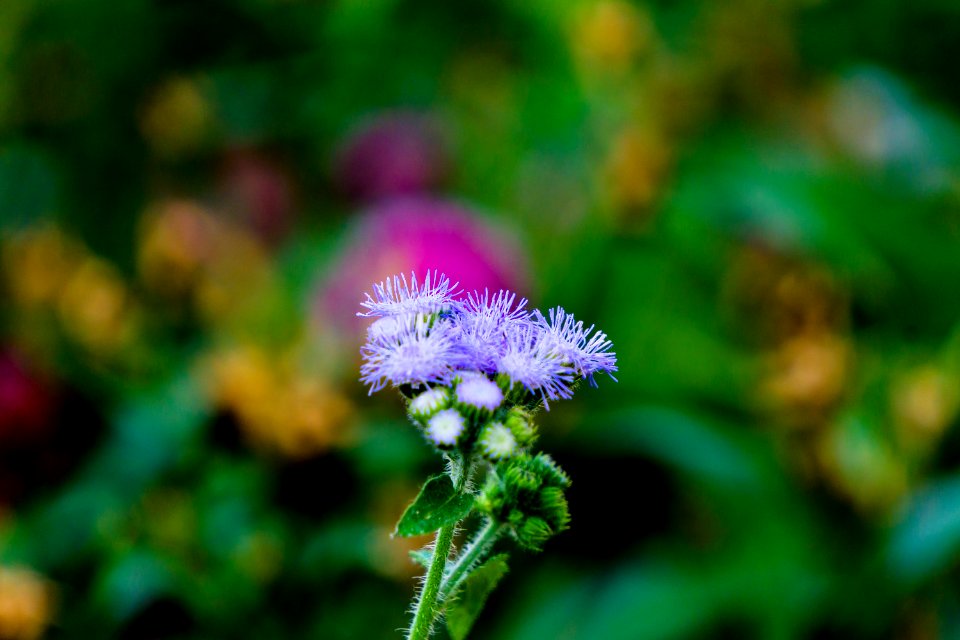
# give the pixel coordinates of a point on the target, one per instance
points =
(437, 506)
(463, 611)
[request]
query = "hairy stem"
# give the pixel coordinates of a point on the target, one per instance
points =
(427, 609)
(428, 606)
(470, 556)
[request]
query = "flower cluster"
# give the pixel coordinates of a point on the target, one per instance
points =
(474, 369)
(486, 347)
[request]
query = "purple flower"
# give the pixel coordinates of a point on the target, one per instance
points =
(423, 336)
(588, 354)
(478, 391)
(535, 364)
(395, 297)
(483, 322)
(419, 352)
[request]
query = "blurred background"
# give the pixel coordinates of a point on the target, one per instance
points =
(758, 200)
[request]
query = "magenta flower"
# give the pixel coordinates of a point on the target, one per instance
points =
(26, 402)
(397, 154)
(422, 235)
(258, 191)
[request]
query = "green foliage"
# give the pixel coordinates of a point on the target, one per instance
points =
(437, 505)
(28, 184)
(462, 611)
(757, 201)
(927, 537)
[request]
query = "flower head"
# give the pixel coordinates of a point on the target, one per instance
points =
(532, 362)
(445, 428)
(483, 322)
(477, 391)
(423, 336)
(395, 297)
(587, 354)
(419, 352)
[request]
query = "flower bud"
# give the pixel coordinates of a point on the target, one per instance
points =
(429, 403)
(514, 393)
(553, 507)
(533, 533)
(497, 442)
(549, 471)
(519, 481)
(477, 395)
(515, 517)
(445, 428)
(521, 426)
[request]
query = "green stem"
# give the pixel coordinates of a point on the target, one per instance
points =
(468, 559)
(427, 607)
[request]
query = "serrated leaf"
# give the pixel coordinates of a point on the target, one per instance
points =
(422, 557)
(464, 609)
(437, 506)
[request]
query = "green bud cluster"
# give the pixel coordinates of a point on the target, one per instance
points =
(526, 493)
(496, 430)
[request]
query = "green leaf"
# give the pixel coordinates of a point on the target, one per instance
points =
(437, 506)
(422, 557)
(927, 538)
(464, 609)
(131, 581)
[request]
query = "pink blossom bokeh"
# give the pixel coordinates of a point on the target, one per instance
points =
(394, 154)
(419, 234)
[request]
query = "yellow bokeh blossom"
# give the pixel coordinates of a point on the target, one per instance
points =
(26, 604)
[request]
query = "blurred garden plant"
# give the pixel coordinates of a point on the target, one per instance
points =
(474, 371)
